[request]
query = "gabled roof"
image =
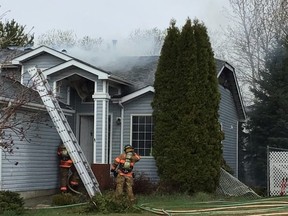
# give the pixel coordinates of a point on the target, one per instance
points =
(137, 93)
(224, 68)
(141, 70)
(39, 51)
(69, 61)
(101, 74)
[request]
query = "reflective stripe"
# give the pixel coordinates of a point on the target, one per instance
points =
(73, 183)
(117, 160)
(63, 188)
(130, 174)
(66, 164)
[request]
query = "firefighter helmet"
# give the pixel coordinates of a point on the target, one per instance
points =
(128, 148)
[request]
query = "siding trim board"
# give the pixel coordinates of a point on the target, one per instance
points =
(137, 93)
(235, 89)
(72, 62)
(104, 130)
(110, 137)
(237, 149)
(38, 51)
(122, 126)
(34, 106)
(1, 169)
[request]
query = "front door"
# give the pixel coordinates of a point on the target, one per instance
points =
(86, 136)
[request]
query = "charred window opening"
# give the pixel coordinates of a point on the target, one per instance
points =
(83, 87)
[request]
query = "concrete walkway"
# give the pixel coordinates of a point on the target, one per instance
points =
(38, 202)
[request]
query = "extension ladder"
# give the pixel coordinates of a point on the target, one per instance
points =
(81, 164)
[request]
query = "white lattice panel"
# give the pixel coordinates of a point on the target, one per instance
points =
(278, 164)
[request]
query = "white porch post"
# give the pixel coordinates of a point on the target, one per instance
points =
(1, 169)
(101, 99)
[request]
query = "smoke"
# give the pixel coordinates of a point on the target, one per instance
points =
(117, 54)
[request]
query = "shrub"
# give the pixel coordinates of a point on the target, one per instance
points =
(143, 185)
(11, 202)
(107, 203)
(66, 199)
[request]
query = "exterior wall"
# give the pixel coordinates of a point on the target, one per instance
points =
(116, 149)
(229, 121)
(140, 105)
(43, 61)
(38, 163)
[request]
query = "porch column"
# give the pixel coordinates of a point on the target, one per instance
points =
(101, 105)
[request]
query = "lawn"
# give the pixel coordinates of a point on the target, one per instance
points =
(184, 205)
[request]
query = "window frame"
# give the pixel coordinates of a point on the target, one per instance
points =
(131, 133)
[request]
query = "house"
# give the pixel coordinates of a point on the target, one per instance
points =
(107, 108)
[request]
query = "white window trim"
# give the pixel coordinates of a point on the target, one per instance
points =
(131, 122)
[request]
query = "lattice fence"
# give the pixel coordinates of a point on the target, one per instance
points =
(277, 171)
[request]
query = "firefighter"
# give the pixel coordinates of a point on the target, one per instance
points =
(122, 168)
(66, 166)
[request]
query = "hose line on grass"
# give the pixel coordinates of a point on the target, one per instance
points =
(253, 207)
(57, 207)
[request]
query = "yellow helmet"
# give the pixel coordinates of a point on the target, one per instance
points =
(128, 148)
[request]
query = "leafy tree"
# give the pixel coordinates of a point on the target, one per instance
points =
(269, 114)
(13, 34)
(57, 38)
(187, 132)
(64, 39)
(150, 40)
(89, 43)
(255, 27)
(15, 119)
(242, 152)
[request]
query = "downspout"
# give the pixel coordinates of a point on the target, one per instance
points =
(122, 126)
(1, 168)
(237, 149)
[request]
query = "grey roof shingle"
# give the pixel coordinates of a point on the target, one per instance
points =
(6, 55)
(141, 70)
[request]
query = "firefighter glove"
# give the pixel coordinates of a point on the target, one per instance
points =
(115, 173)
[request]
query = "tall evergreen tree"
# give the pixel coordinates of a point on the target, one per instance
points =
(185, 152)
(13, 34)
(187, 132)
(269, 114)
(164, 106)
(206, 99)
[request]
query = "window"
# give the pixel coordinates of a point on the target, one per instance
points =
(142, 134)
(58, 87)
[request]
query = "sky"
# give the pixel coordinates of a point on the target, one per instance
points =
(111, 19)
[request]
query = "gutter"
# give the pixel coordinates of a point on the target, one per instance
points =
(122, 126)
(33, 106)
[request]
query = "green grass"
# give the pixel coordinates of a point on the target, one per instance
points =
(201, 204)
